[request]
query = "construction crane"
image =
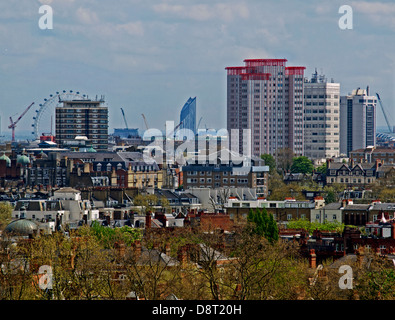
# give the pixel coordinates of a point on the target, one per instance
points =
(13, 123)
(177, 126)
(385, 115)
(174, 130)
(124, 119)
(200, 120)
(145, 121)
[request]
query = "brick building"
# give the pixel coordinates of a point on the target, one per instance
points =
(373, 155)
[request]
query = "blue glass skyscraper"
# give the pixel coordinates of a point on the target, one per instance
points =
(188, 115)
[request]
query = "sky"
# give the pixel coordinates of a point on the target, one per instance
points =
(150, 56)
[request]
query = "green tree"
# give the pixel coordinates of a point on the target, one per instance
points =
(330, 197)
(165, 204)
(269, 161)
(284, 159)
(302, 164)
(311, 226)
(376, 281)
(108, 236)
(387, 195)
(322, 168)
(281, 190)
(5, 214)
(146, 202)
(263, 224)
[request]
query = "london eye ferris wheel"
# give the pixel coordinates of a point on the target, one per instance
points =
(43, 120)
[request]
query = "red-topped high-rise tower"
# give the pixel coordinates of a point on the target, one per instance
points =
(266, 97)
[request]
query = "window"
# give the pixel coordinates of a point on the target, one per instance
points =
(289, 216)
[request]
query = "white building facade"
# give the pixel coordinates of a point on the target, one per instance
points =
(321, 118)
(65, 208)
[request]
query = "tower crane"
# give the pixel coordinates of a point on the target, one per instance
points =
(13, 123)
(200, 120)
(124, 118)
(145, 121)
(174, 130)
(385, 115)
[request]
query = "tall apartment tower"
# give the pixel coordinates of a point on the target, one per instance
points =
(266, 98)
(357, 121)
(321, 118)
(82, 118)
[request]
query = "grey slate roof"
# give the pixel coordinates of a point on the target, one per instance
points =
(332, 206)
(384, 206)
(357, 207)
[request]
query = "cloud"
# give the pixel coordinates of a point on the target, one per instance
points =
(323, 8)
(86, 16)
(372, 8)
(203, 12)
(379, 13)
(131, 28)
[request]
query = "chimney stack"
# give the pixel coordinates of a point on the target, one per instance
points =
(360, 255)
(313, 259)
(137, 248)
(182, 256)
(148, 220)
(120, 247)
(167, 249)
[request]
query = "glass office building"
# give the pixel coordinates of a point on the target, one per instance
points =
(188, 115)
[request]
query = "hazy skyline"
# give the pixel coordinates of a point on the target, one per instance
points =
(151, 56)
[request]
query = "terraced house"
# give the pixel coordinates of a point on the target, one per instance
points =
(120, 169)
(250, 173)
(359, 174)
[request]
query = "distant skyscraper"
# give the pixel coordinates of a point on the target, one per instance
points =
(266, 97)
(188, 115)
(82, 118)
(321, 118)
(357, 121)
